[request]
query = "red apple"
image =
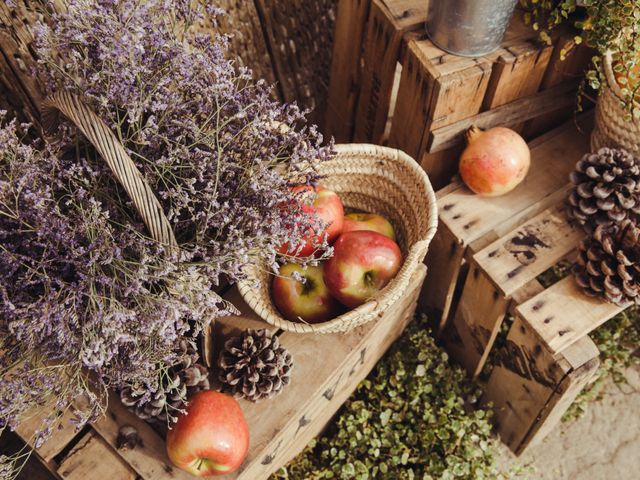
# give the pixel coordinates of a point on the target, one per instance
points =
(368, 221)
(212, 438)
(328, 207)
(363, 263)
(309, 301)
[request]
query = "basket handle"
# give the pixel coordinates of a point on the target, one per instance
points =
(112, 151)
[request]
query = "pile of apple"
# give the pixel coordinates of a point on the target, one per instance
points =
(365, 259)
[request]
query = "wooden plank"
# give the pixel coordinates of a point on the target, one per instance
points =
(476, 323)
(59, 437)
(149, 458)
(281, 428)
(388, 22)
(468, 223)
(443, 261)
(562, 314)
(524, 253)
(511, 223)
(567, 64)
(344, 82)
(521, 383)
(93, 458)
(470, 216)
(510, 114)
(565, 393)
(523, 294)
(517, 73)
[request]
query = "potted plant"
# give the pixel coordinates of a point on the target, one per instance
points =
(610, 27)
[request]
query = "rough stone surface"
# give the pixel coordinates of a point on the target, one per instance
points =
(602, 445)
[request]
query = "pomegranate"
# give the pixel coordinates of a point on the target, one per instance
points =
(495, 161)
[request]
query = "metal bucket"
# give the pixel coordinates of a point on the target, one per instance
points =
(470, 28)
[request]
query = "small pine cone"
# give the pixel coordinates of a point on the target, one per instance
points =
(180, 382)
(609, 263)
(254, 365)
(606, 189)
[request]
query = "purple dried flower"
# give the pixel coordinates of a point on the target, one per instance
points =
(83, 288)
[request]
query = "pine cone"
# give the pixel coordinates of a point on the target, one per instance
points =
(254, 365)
(606, 189)
(181, 382)
(609, 263)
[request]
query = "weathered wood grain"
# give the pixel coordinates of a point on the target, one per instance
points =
(507, 115)
(344, 82)
(562, 314)
(93, 458)
(389, 21)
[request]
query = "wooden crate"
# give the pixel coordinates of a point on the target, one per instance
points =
(438, 95)
(468, 223)
(327, 368)
(506, 243)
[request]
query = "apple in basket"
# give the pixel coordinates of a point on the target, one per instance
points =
(305, 297)
(368, 221)
(363, 263)
(211, 438)
(328, 207)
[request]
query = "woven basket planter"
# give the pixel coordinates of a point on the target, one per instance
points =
(612, 128)
(372, 179)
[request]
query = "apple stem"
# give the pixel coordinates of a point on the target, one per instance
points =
(472, 133)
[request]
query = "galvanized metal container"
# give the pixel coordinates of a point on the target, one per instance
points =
(470, 28)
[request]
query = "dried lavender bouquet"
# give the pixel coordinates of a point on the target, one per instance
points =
(83, 286)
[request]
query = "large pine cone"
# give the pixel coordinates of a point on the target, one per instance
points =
(609, 263)
(606, 189)
(254, 365)
(180, 382)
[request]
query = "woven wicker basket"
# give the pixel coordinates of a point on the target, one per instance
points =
(372, 179)
(125, 171)
(612, 128)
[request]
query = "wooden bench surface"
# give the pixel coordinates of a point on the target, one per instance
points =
(327, 368)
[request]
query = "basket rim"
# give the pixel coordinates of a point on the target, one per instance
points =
(414, 256)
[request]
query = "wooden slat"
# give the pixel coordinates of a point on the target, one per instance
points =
(93, 458)
(522, 381)
(281, 428)
(532, 248)
(562, 314)
(344, 83)
(510, 114)
(517, 72)
(562, 398)
(388, 22)
(59, 437)
(443, 261)
(149, 459)
(476, 322)
(559, 71)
